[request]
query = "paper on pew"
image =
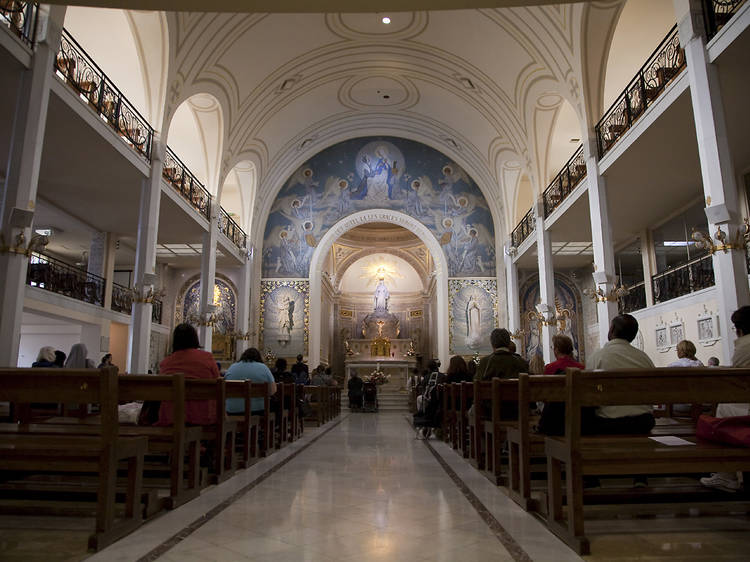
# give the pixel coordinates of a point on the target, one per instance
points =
(672, 441)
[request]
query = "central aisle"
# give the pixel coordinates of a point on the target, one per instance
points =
(366, 490)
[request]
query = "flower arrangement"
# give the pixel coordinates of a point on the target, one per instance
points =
(378, 377)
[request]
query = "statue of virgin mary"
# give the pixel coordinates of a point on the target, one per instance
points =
(473, 323)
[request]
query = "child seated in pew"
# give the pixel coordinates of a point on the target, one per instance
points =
(552, 421)
(187, 358)
(250, 367)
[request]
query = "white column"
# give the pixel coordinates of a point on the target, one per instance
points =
(647, 259)
(511, 287)
(601, 238)
(243, 302)
(208, 278)
(102, 263)
(17, 201)
(139, 335)
(717, 168)
(546, 278)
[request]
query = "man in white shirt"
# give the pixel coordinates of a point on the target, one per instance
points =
(728, 481)
(617, 353)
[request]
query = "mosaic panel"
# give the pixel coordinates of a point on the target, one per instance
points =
(473, 315)
(284, 317)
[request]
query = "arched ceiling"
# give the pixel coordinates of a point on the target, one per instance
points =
(298, 6)
(466, 82)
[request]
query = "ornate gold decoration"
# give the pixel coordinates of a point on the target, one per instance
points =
(36, 244)
(719, 243)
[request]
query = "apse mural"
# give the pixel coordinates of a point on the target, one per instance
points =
(379, 173)
(567, 298)
(225, 300)
(284, 317)
(473, 315)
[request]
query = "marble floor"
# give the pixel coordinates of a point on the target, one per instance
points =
(363, 488)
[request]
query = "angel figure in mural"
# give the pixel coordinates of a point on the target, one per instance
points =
(473, 323)
(413, 201)
(289, 247)
(469, 251)
(381, 296)
(446, 196)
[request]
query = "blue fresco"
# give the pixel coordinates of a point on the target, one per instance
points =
(379, 173)
(224, 299)
(567, 298)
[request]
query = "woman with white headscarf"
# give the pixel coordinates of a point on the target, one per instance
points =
(78, 358)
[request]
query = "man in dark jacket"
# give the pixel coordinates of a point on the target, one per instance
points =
(501, 363)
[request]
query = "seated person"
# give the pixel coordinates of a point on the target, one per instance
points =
(281, 374)
(502, 364)
(617, 353)
(250, 367)
(187, 358)
(356, 390)
(552, 421)
(728, 481)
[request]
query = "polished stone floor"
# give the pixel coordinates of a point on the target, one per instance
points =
(363, 488)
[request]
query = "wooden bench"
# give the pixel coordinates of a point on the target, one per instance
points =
(251, 427)
(628, 455)
(174, 442)
(466, 394)
(66, 454)
(221, 435)
(522, 443)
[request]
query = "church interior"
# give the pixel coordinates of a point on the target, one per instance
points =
(371, 189)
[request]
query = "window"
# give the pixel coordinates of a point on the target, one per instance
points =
(629, 264)
(673, 243)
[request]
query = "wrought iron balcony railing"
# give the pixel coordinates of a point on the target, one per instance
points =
(231, 229)
(83, 75)
(565, 182)
(634, 300)
(182, 179)
(59, 277)
(716, 13)
(156, 310)
(523, 229)
(21, 18)
(122, 299)
(683, 279)
(666, 62)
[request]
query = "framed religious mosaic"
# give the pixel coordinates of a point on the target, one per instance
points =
(472, 306)
(708, 328)
(662, 337)
(676, 332)
(284, 317)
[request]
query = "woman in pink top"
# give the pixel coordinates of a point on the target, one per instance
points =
(194, 363)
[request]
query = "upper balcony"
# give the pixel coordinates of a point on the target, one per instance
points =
(231, 229)
(22, 18)
(94, 88)
(666, 62)
(178, 175)
(524, 228)
(565, 182)
(717, 13)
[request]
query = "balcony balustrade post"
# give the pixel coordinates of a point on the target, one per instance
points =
(717, 169)
(601, 238)
(17, 203)
(139, 336)
(546, 278)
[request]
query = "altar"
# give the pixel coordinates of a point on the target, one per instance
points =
(398, 369)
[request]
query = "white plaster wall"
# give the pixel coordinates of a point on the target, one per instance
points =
(687, 308)
(34, 337)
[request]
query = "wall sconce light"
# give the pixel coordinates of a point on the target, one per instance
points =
(19, 246)
(519, 334)
(599, 295)
(719, 243)
(146, 293)
(510, 251)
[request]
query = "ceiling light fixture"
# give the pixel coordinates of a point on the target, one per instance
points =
(386, 20)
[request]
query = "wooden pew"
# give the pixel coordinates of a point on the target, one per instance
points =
(281, 409)
(222, 434)
(250, 426)
(99, 454)
(494, 431)
(465, 396)
(524, 444)
(627, 455)
(174, 441)
(318, 404)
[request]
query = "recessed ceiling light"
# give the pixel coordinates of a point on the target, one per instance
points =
(386, 20)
